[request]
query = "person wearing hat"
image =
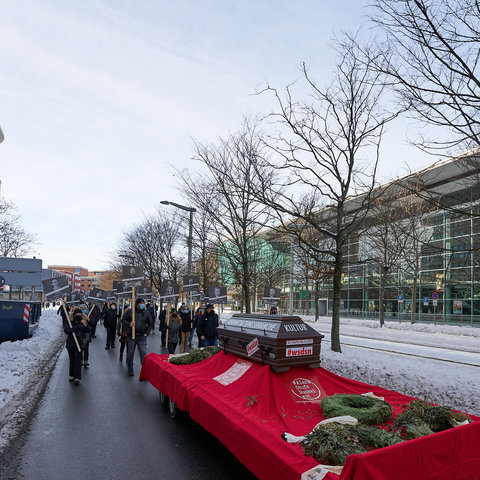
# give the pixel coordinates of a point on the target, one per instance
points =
(207, 327)
(273, 310)
(79, 327)
(143, 326)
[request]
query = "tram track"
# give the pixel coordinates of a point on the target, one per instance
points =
(407, 354)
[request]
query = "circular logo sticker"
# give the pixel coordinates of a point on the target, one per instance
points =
(306, 390)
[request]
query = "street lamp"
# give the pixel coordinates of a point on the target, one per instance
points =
(190, 230)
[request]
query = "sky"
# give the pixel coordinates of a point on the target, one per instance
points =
(100, 101)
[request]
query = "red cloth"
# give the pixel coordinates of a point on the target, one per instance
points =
(249, 415)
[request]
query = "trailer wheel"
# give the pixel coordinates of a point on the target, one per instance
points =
(172, 409)
(163, 399)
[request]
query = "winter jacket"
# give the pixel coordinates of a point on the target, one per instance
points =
(174, 329)
(143, 322)
(82, 333)
(207, 325)
(162, 317)
(186, 320)
(110, 318)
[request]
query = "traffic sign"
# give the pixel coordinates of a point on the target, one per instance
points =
(400, 298)
(425, 301)
(434, 296)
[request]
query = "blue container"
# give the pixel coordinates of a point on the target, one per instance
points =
(15, 321)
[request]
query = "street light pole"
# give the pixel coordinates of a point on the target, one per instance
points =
(190, 230)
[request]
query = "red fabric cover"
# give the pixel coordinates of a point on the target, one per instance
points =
(249, 415)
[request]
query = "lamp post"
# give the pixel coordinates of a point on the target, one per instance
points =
(190, 230)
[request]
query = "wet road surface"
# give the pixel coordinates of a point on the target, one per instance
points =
(111, 426)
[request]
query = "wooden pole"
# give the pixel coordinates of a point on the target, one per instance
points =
(70, 324)
(133, 313)
(168, 324)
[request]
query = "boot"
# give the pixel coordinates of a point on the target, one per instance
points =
(121, 357)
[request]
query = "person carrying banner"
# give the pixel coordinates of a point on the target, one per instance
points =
(207, 327)
(186, 316)
(110, 323)
(143, 326)
(80, 328)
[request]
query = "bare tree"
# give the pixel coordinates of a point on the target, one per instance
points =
(430, 52)
(14, 240)
(328, 146)
(153, 244)
(226, 196)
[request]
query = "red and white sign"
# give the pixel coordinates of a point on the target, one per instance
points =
(252, 347)
(236, 371)
(300, 341)
(299, 351)
(306, 390)
(26, 313)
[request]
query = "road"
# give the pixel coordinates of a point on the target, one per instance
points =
(112, 426)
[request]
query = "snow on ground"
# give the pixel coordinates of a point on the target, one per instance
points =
(22, 371)
(450, 384)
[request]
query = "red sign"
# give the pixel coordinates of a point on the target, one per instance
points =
(434, 296)
(252, 347)
(306, 390)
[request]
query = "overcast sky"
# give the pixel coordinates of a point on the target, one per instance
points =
(100, 98)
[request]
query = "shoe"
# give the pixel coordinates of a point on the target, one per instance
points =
(107, 347)
(121, 358)
(70, 379)
(86, 364)
(131, 374)
(94, 336)
(113, 346)
(76, 381)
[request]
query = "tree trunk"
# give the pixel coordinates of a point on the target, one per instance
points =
(381, 298)
(337, 293)
(316, 301)
(246, 294)
(414, 299)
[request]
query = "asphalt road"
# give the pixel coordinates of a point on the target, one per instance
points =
(111, 426)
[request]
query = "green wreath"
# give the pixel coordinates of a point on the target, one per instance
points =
(368, 411)
(194, 356)
(420, 418)
(331, 444)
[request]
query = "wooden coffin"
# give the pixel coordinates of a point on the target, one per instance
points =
(277, 340)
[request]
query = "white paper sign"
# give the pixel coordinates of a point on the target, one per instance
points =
(252, 347)
(236, 371)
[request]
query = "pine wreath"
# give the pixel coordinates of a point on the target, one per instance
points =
(195, 355)
(331, 444)
(420, 418)
(368, 411)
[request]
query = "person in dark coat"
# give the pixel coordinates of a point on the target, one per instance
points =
(143, 325)
(122, 333)
(80, 327)
(153, 313)
(162, 327)
(110, 323)
(88, 337)
(207, 327)
(95, 315)
(196, 318)
(174, 331)
(186, 316)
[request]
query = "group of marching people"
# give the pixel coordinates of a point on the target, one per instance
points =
(177, 328)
